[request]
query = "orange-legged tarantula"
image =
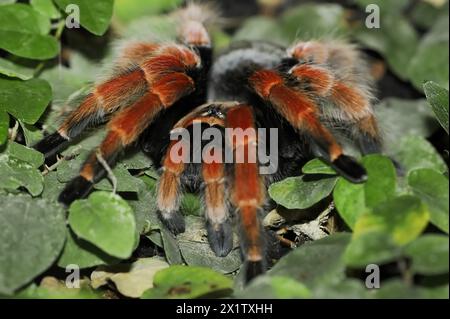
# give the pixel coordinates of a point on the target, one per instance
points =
(305, 92)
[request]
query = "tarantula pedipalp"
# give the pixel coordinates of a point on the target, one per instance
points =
(304, 92)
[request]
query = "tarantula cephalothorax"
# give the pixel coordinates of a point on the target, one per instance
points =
(306, 93)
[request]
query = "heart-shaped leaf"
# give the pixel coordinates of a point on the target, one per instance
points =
(105, 220)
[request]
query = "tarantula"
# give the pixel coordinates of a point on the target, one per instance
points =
(308, 93)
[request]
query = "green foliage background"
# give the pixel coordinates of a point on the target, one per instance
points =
(397, 221)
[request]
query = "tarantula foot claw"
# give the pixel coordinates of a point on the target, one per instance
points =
(220, 238)
(253, 269)
(174, 221)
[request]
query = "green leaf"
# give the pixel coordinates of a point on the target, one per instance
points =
(273, 287)
(424, 14)
(25, 100)
(154, 29)
(28, 45)
(398, 289)
(220, 38)
(31, 133)
(129, 10)
(430, 62)
(381, 179)
(136, 160)
(371, 248)
(432, 188)
(353, 200)
(19, 167)
(5, 2)
(125, 181)
(200, 254)
(11, 69)
(25, 154)
(21, 17)
(397, 47)
(348, 288)
(301, 192)
(188, 282)
(196, 251)
(350, 201)
(32, 236)
(385, 6)
(83, 148)
(68, 169)
(261, 28)
(4, 126)
(429, 254)
(155, 238)
(399, 118)
(401, 218)
(95, 16)
(414, 152)
(52, 187)
(438, 99)
(316, 262)
(23, 32)
(83, 254)
(314, 21)
(317, 166)
(131, 280)
(144, 206)
(171, 249)
(46, 7)
(105, 220)
(191, 205)
(58, 290)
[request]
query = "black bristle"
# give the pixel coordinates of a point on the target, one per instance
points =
(220, 238)
(173, 221)
(50, 144)
(77, 188)
(369, 145)
(350, 169)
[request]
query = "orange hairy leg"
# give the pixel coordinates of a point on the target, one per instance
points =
(169, 189)
(303, 114)
(136, 53)
(164, 89)
(348, 91)
(366, 131)
(355, 104)
(247, 190)
(319, 79)
(176, 159)
(121, 91)
(94, 108)
(120, 135)
(352, 102)
(220, 233)
(299, 110)
(218, 225)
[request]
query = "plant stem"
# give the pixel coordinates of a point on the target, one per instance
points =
(14, 131)
(48, 169)
(108, 169)
(405, 271)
